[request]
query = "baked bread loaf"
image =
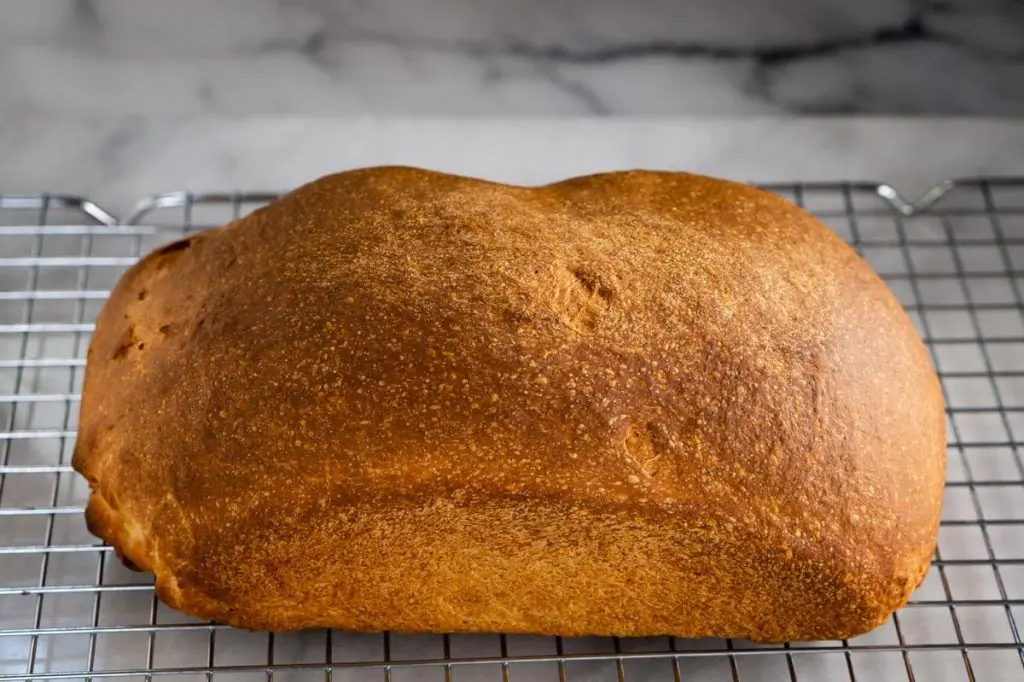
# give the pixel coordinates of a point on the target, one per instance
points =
(634, 403)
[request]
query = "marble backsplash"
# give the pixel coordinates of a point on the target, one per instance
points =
(511, 57)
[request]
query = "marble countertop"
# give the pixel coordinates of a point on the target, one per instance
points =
(527, 57)
(116, 161)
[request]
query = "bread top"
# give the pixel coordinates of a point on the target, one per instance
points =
(644, 343)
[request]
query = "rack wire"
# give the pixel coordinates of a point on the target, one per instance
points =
(69, 610)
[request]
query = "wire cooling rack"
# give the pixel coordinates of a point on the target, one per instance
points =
(69, 610)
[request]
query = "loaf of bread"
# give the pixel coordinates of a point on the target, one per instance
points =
(633, 403)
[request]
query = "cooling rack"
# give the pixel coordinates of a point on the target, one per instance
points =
(69, 610)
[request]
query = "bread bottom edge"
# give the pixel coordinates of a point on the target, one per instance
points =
(139, 551)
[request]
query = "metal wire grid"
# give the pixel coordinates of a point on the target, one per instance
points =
(69, 610)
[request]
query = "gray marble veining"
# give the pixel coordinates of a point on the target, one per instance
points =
(496, 57)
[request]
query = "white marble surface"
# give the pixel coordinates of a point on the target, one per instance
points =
(116, 161)
(502, 57)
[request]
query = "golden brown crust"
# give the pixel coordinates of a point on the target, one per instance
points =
(631, 403)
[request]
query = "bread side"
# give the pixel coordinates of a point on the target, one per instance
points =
(633, 403)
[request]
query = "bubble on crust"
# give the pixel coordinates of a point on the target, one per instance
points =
(581, 296)
(166, 255)
(126, 344)
(642, 449)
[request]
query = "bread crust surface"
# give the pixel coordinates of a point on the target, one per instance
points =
(634, 403)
